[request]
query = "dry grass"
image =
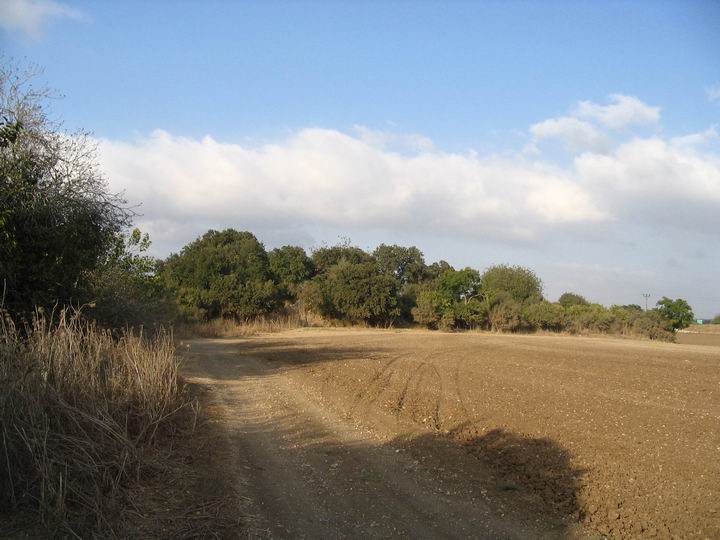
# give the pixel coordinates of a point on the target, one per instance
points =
(231, 328)
(81, 413)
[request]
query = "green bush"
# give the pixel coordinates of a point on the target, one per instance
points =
(506, 316)
(518, 283)
(569, 299)
(677, 312)
(545, 316)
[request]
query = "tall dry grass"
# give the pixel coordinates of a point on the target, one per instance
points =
(80, 413)
(216, 328)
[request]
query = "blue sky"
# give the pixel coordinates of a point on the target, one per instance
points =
(574, 137)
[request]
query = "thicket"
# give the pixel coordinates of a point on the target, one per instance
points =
(229, 274)
(85, 402)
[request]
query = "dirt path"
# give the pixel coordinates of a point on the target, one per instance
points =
(315, 474)
(352, 433)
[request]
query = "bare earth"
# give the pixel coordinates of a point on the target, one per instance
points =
(374, 434)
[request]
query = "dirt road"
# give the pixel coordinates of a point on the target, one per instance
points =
(376, 434)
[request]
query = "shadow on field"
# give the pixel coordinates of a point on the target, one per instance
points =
(467, 482)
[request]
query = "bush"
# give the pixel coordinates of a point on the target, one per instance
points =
(569, 299)
(506, 316)
(716, 320)
(652, 325)
(545, 316)
(289, 266)
(79, 411)
(222, 274)
(520, 284)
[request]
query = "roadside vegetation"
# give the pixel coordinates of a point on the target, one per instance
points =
(227, 280)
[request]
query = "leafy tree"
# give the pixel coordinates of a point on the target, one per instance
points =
(125, 288)
(518, 283)
(289, 266)
(326, 257)
(716, 320)
(677, 312)
(358, 292)
(453, 296)
(436, 269)
(57, 217)
(406, 264)
(222, 274)
(571, 299)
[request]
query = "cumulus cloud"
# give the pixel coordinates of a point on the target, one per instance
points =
(31, 16)
(322, 177)
(577, 135)
(333, 180)
(623, 111)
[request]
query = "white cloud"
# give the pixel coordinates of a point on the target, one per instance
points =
(623, 111)
(30, 16)
(321, 177)
(576, 134)
(713, 93)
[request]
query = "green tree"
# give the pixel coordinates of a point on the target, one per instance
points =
(326, 257)
(571, 299)
(125, 289)
(222, 274)
(289, 266)
(57, 217)
(545, 316)
(677, 312)
(358, 292)
(436, 269)
(516, 282)
(406, 264)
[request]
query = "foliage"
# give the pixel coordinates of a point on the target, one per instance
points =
(677, 312)
(406, 264)
(222, 274)
(716, 320)
(125, 289)
(289, 266)
(57, 218)
(358, 292)
(571, 299)
(506, 316)
(326, 257)
(436, 269)
(452, 296)
(516, 282)
(545, 316)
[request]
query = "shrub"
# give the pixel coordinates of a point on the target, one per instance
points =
(569, 299)
(653, 325)
(289, 266)
(506, 316)
(520, 284)
(79, 412)
(545, 316)
(716, 320)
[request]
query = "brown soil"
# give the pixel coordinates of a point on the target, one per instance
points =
(366, 433)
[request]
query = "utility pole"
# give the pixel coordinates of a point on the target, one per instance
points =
(646, 295)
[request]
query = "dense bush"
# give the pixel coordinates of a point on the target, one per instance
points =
(571, 299)
(289, 267)
(222, 274)
(516, 282)
(677, 312)
(545, 316)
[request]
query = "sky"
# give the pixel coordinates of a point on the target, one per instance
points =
(581, 139)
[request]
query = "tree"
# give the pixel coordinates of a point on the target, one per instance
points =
(677, 312)
(453, 297)
(57, 217)
(545, 316)
(716, 320)
(406, 264)
(358, 292)
(289, 266)
(222, 274)
(125, 289)
(518, 283)
(436, 269)
(326, 257)
(571, 299)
